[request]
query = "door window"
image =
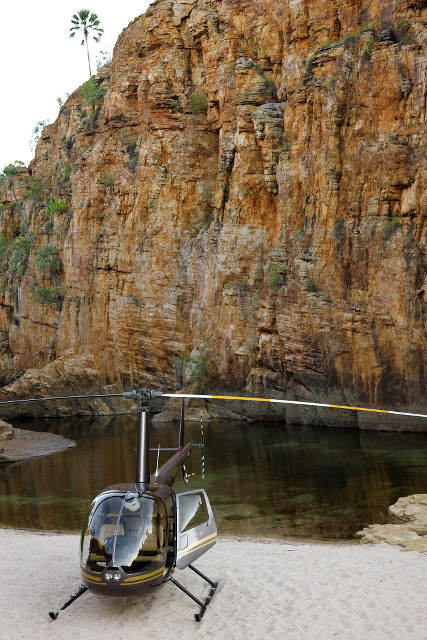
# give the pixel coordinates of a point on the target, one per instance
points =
(192, 511)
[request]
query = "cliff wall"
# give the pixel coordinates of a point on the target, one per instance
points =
(246, 178)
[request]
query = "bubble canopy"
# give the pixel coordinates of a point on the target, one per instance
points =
(126, 531)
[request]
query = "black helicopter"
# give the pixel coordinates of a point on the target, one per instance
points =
(136, 535)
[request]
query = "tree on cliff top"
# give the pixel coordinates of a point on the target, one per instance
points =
(86, 21)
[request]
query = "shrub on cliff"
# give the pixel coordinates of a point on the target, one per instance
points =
(53, 296)
(47, 259)
(56, 205)
(391, 227)
(20, 249)
(198, 103)
(92, 94)
(199, 370)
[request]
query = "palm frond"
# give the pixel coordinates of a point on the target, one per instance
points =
(83, 14)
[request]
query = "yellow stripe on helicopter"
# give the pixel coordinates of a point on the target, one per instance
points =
(144, 577)
(197, 545)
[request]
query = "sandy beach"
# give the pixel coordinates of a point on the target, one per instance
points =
(276, 589)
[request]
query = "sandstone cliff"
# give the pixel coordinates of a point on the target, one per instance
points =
(247, 178)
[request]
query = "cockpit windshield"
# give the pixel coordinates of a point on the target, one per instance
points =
(127, 530)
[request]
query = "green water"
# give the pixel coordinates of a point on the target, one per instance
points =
(262, 479)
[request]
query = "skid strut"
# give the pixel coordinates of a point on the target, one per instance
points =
(209, 597)
(74, 596)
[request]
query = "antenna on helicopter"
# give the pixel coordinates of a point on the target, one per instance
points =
(202, 445)
(181, 425)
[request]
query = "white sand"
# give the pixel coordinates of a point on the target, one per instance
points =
(272, 589)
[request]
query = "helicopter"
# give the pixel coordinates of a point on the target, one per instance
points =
(137, 534)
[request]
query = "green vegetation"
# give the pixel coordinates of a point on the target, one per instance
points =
(310, 283)
(203, 217)
(92, 94)
(331, 81)
(285, 146)
(401, 32)
(198, 103)
(35, 134)
(308, 63)
(199, 374)
(56, 206)
(133, 157)
(349, 42)
(20, 251)
(367, 51)
(312, 304)
(107, 180)
(47, 259)
(34, 189)
(63, 174)
(391, 227)
(7, 181)
(53, 296)
(105, 58)
(197, 368)
(246, 190)
(276, 277)
(87, 22)
(4, 248)
(67, 142)
(338, 228)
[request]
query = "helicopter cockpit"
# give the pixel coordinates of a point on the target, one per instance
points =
(125, 530)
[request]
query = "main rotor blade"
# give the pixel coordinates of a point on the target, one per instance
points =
(108, 395)
(297, 402)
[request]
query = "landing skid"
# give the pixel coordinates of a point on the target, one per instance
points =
(74, 596)
(208, 599)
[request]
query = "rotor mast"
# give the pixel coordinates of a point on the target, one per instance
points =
(143, 451)
(142, 397)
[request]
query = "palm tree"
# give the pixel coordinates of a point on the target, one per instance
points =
(86, 21)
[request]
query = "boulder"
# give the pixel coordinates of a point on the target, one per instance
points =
(6, 430)
(411, 535)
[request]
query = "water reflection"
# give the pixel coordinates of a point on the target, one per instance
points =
(262, 479)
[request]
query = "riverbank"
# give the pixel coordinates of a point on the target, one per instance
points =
(292, 590)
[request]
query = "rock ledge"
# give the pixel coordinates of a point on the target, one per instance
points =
(411, 535)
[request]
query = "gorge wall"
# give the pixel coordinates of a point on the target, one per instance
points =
(246, 178)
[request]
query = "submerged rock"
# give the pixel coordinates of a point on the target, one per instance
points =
(412, 535)
(32, 444)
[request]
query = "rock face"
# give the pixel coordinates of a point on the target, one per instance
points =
(68, 375)
(247, 178)
(412, 535)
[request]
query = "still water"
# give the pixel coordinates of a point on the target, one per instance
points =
(263, 479)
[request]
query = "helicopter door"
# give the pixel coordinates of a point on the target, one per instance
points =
(196, 527)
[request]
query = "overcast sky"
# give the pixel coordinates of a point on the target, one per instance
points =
(39, 62)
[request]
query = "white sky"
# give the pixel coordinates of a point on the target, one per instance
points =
(39, 62)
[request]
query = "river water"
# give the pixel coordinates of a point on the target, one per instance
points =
(263, 479)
